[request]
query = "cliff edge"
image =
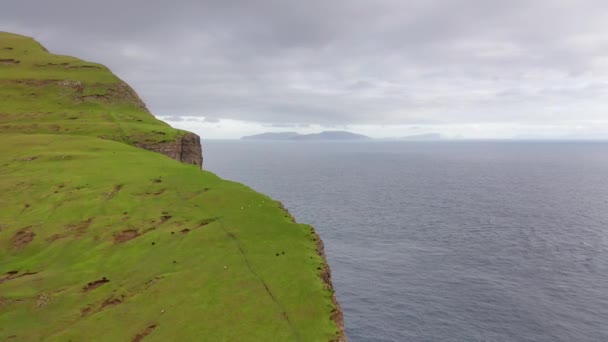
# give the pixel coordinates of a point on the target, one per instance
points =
(48, 93)
(102, 239)
(186, 149)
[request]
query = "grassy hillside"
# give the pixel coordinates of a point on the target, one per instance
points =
(46, 93)
(100, 240)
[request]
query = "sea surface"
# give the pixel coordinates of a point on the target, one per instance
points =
(458, 241)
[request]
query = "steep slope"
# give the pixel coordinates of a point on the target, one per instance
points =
(46, 93)
(101, 240)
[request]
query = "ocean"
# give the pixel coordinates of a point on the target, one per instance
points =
(448, 241)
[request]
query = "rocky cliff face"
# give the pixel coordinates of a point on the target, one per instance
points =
(186, 149)
(336, 315)
(44, 93)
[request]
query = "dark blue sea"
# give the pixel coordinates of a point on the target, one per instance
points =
(448, 241)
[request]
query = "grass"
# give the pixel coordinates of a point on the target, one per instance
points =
(46, 93)
(100, 240)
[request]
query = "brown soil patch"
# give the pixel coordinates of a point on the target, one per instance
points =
(125, 235)
(202, 224)
(86, 310)
(111, 301)
(14, 275)
(152, 282)
(207, 222)
(68, 66)
(9, 61)
(164, 218)
(80, 227)
(141, 335)
(90, 309)
(55, 237)
(75, 229)
(52, 65)
(22, 238)
(35, 83)
(114, 191)
(84, 67)
(95, 284)
(94, 97)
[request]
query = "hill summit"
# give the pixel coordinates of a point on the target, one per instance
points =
(47, 93)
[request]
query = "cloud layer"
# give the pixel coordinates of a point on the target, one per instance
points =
(344, 62)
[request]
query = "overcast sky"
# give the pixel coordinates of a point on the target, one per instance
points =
(472, 68)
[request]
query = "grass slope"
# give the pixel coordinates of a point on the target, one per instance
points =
(45, 93)
(103, 241)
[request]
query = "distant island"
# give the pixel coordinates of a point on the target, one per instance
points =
(323, 136)
(335, 136)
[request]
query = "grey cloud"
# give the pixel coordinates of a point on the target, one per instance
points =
(211, 120)
(174, 118)
(343, 61)
(287, 125)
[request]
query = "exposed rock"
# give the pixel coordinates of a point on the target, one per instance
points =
(337, 315)
(186, 149)
(77, 85)
(124, 92)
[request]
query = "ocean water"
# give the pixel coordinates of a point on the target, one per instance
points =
(466, 241)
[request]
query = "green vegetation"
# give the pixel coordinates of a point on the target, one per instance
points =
(47, 93)
(100, 240)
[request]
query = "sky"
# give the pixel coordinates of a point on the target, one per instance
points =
(385, 68)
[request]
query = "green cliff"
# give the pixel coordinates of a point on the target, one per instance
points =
(103, 239)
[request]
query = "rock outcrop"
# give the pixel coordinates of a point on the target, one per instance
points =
(186, 149)
(337, 315)
(45, 93)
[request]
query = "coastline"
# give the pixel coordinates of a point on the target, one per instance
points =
(337, 315)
